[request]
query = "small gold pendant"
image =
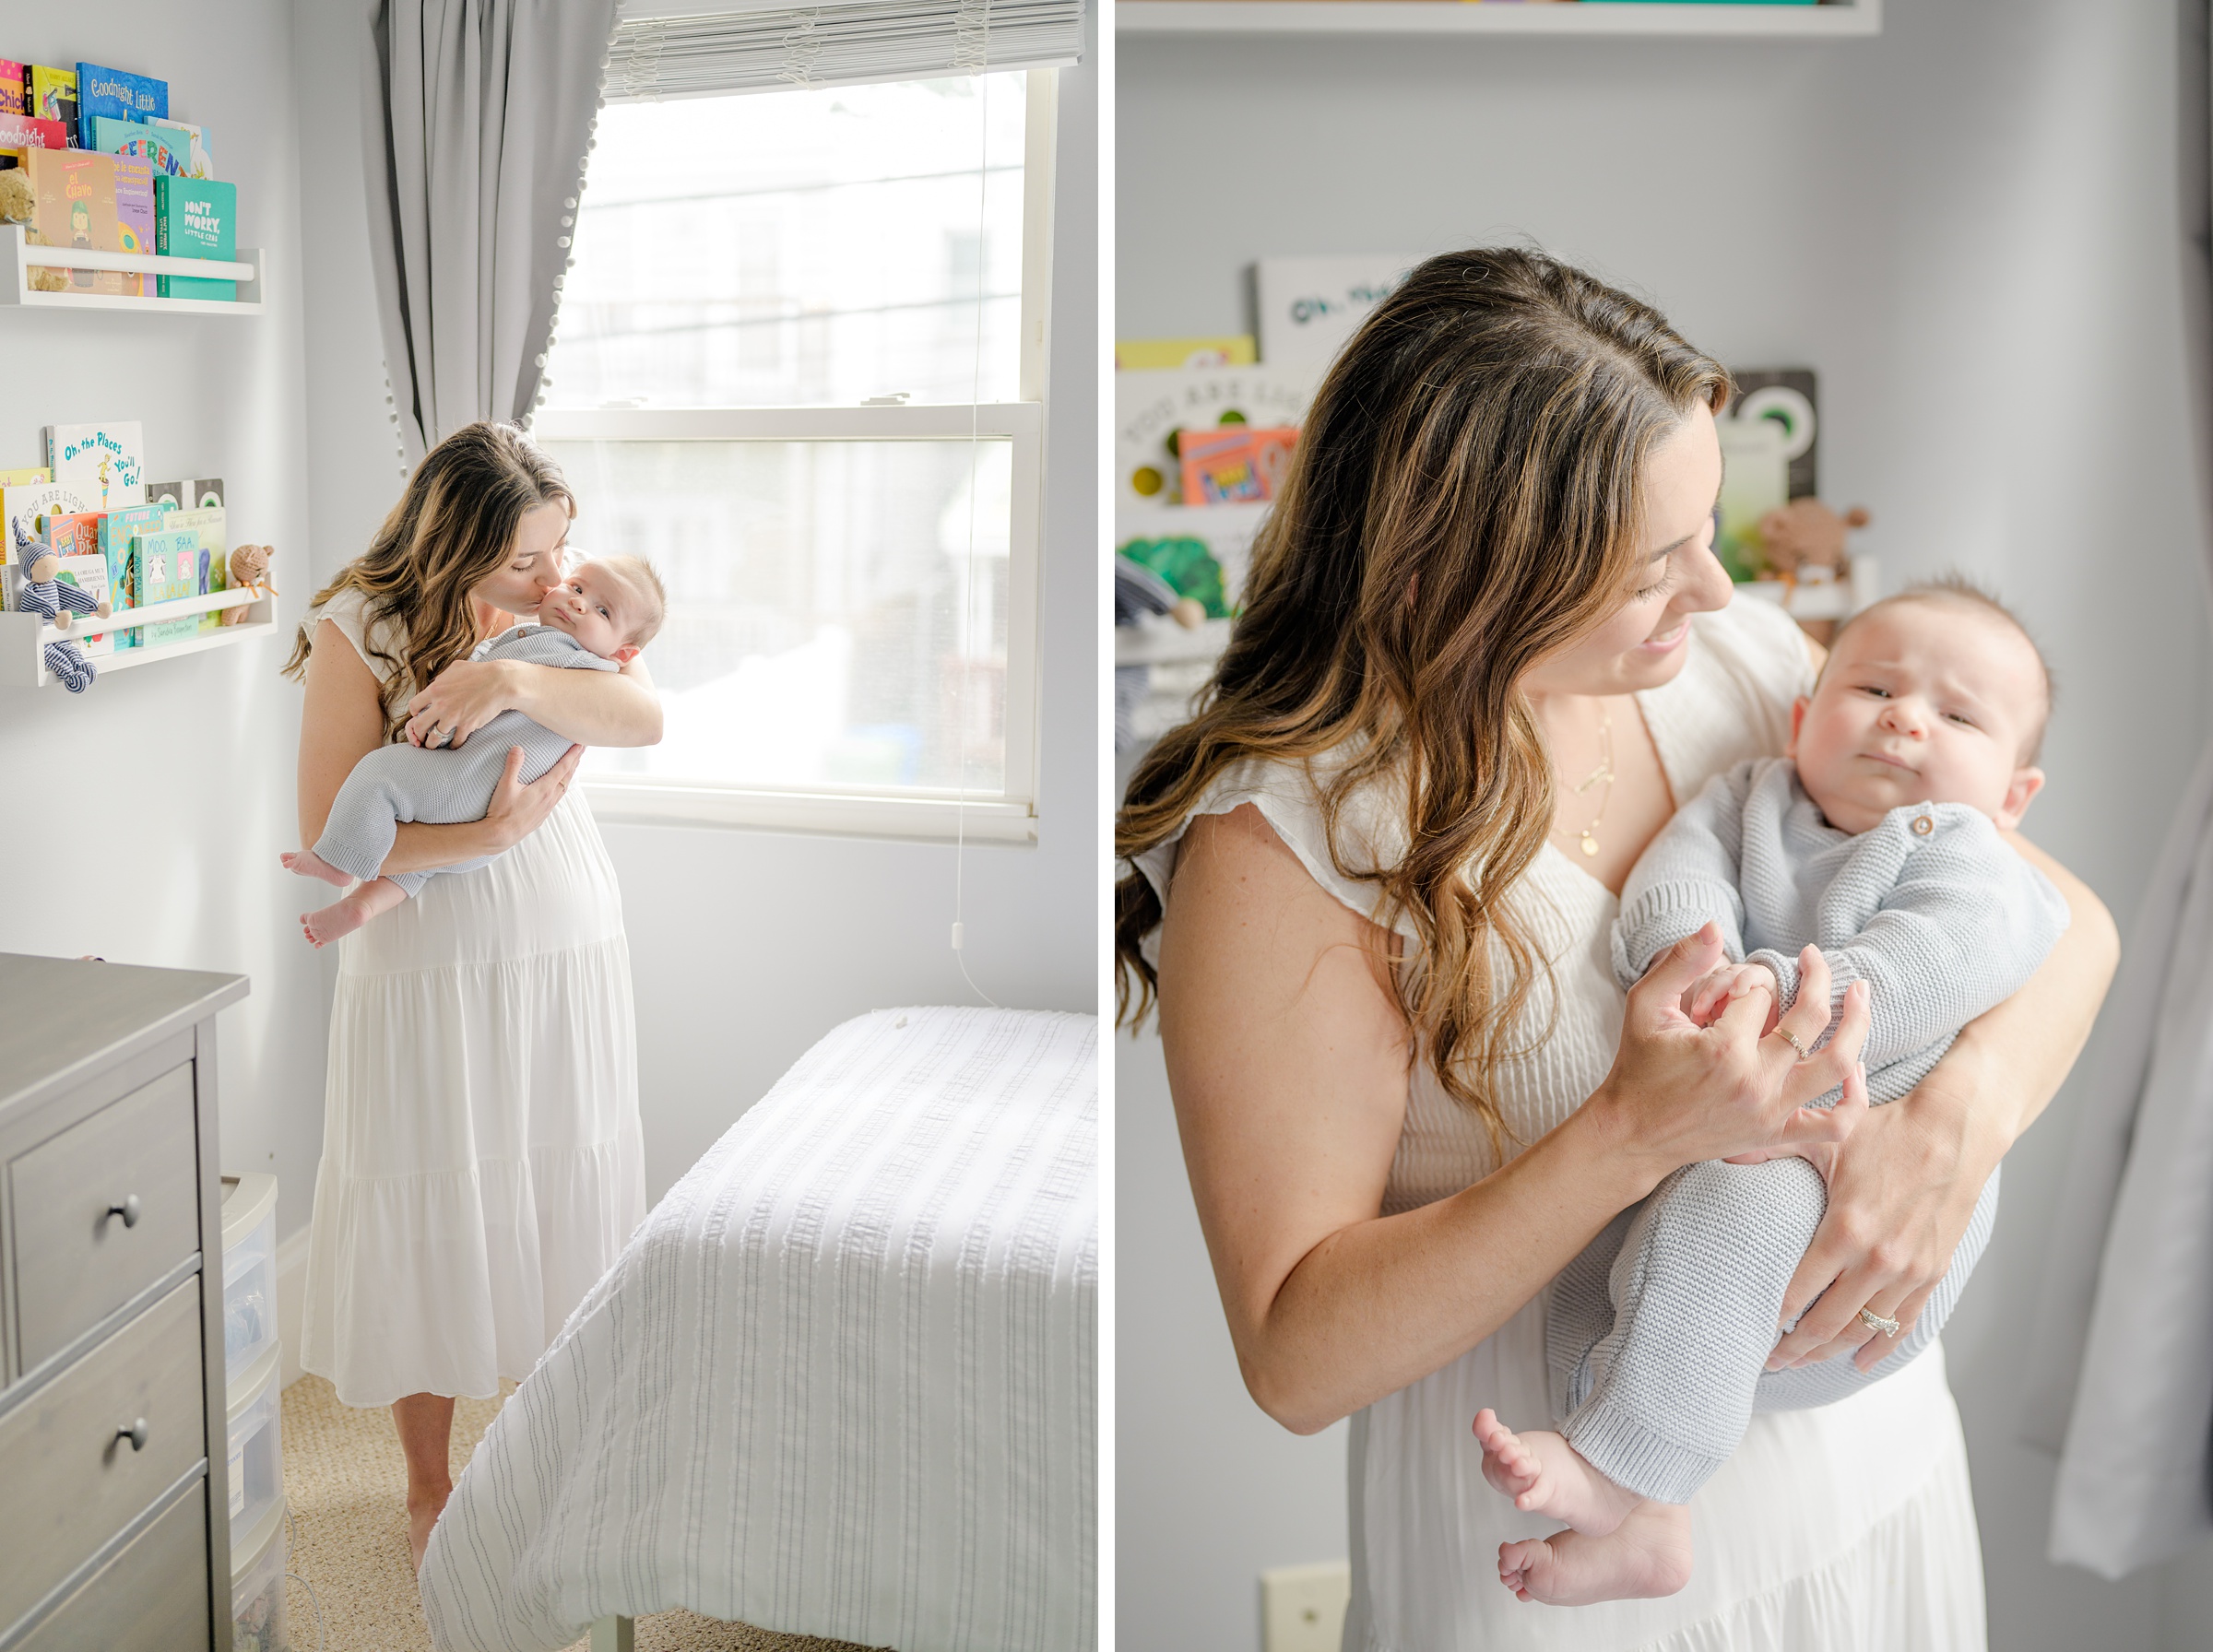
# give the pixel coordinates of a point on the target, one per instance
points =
(1590, 845)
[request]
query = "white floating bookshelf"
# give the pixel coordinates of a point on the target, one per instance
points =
(23, 637)
(1460, 16)
(18, 257)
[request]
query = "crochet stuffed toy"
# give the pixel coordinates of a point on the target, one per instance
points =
(250, 570)
(46, 594)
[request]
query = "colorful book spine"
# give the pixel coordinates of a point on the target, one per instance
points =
(51, 94)
(11, 87)
(118, 94)
(190, 142)
(21, 132)
(139, 140)
(169, 563)
(194, 218)
(118, 529)
(74, 533)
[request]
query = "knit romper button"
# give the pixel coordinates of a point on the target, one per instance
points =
(1923, 825)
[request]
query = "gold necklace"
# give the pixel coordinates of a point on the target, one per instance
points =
(1604, 771)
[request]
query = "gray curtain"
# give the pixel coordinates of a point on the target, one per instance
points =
(2121, 1373)
(479, 114)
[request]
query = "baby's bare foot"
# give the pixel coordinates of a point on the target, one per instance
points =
(1647, 1555)
(339, 919)
(1545, 1475)
(308, 864)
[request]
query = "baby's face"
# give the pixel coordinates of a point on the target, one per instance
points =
(1922, 702)
(594, 606)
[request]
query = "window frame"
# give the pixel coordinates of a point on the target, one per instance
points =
(935, 816)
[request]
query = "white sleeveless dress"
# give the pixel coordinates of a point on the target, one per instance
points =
(1849, 1527)
(482, 1164)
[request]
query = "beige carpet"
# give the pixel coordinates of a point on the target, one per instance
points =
(348, 1486)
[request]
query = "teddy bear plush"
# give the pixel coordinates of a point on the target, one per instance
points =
(17, 206)
(1806, 533)
(249, 569)
(44, 593)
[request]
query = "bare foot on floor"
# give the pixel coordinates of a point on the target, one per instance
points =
(423, 1514)
(308, 864)
(339, 918)
(1544, 1475)
(1646, 1556)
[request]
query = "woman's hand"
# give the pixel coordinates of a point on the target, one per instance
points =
(1681, 1092)
(1900, 1193)
(518, 810)
(461, 699)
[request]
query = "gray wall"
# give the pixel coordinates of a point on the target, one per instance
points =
(1968, 226)
(746, 947)
(145, 817)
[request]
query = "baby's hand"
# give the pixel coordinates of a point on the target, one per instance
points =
(1716, 990)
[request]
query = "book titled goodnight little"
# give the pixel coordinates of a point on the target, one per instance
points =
(118, 94)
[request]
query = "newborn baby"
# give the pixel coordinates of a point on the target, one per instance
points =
(603, 614)
(1877, 840)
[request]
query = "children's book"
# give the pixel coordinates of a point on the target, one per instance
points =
(186, 495)
(1310, 306)
(22, 507)
(190, 142)
(21, 132)
(89, 574)
(214, 532)
(107, 460)
(193, 218)
(169, 565)
(1234, 462)
(118, 94)
(74, 533)
(104, 202)
(23, 478)
(11, 87)
(51, 94)
(138, 139)
(117, 530)
(1148, 355)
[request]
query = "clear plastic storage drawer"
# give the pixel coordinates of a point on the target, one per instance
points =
(256, 1447)
(257, 1616)
(249, 1270)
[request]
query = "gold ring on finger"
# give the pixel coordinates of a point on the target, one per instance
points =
(1875, 1322)
(1796, 1043)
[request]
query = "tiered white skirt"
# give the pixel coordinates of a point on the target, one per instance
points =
(1849, 1528)
(481, 1158)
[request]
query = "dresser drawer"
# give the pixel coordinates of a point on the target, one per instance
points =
(151, 1597)
(76, 1262)
(71, 1482)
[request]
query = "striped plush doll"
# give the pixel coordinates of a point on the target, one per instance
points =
(44, 595)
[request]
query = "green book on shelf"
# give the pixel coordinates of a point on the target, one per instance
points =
(169, 569)
(194, 218)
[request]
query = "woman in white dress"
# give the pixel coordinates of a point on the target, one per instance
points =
(1486, 650)
(481, 1158)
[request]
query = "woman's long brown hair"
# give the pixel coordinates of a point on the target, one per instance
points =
(451, 529)
(1465, 499)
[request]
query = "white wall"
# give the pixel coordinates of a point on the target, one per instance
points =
(1968, 226)
(146, 814)
(746, 947)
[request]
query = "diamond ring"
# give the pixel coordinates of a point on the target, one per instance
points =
(1804, 1053)
(1875, 1322)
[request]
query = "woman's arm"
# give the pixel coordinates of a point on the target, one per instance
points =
(592, 708)
(1287, 1058)
(343, 721)
(1902, 1189)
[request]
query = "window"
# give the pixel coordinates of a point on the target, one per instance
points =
(798, 365)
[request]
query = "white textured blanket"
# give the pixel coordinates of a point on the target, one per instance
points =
(841, 1382)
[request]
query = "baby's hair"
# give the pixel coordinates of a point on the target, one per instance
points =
(1960, 589)
(646, 590)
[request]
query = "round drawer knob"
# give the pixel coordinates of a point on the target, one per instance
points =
(135, 1433)
(129, 1211)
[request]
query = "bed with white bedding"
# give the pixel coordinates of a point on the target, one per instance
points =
(841, 1381)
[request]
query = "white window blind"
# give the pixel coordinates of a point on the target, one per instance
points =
(776, 47)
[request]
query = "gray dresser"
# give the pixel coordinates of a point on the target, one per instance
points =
(114, 1530)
